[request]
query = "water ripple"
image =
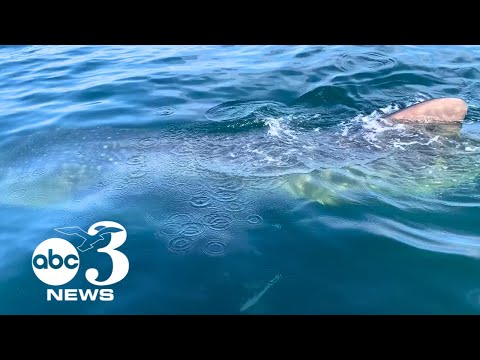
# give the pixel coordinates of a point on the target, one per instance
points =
(366, 61)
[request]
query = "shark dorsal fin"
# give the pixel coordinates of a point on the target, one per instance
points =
(434, 111)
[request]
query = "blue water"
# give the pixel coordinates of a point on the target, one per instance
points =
(250, 179)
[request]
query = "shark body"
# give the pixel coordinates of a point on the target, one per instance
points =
(51, 169)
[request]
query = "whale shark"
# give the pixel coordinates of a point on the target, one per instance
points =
(418, 150)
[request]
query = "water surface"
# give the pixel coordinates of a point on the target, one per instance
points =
(250, 179)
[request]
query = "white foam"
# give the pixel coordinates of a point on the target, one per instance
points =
(370, 127)
(277, 127)
(273, 127)
(390, 109)
(373, 125)
(401, 145)
(434, 139)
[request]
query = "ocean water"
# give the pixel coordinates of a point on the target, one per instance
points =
(249, 179)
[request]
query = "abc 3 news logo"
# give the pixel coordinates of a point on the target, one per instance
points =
(56, 261)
